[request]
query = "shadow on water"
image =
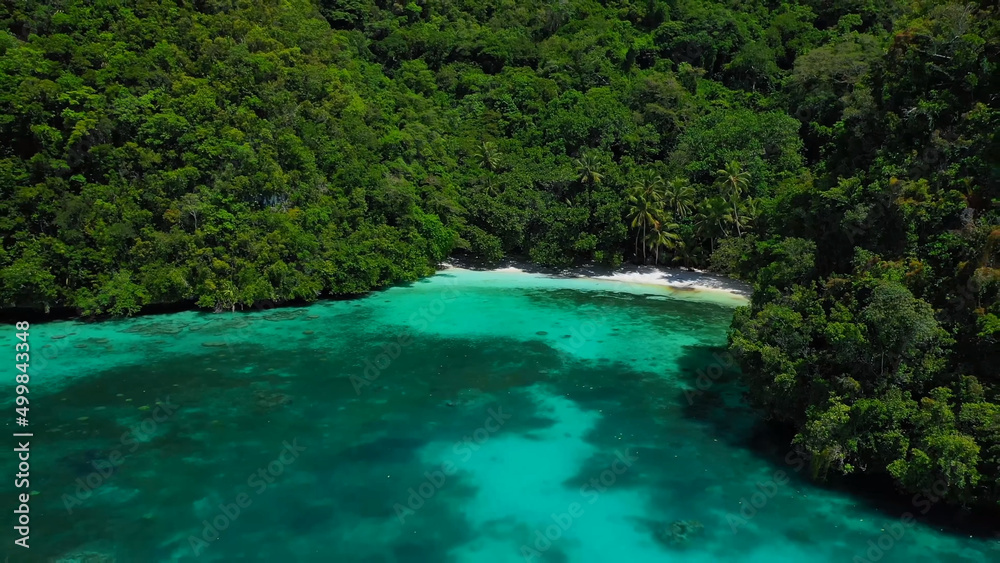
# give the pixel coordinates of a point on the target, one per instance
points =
(367, 448)
(713, 395)
(717, 403)
(231, 421)
(383, 450)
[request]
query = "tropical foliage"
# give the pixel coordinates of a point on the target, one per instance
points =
(843, 156)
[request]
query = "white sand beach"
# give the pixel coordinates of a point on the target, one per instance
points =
(674, 278)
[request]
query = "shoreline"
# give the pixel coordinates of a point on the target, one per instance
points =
(678, 279)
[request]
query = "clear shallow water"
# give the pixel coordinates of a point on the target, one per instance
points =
(459, 419)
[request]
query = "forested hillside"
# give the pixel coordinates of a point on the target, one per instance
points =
(843, 155)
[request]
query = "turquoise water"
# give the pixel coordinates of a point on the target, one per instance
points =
(485, 417)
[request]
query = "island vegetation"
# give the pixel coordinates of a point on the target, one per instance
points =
(843, 156)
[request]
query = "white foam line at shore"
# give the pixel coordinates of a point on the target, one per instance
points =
(674, 278)
(681, 279)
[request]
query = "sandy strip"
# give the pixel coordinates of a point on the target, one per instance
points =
(682, 279)
(675, 278)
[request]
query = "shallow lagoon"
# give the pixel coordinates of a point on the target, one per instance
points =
(484, 417)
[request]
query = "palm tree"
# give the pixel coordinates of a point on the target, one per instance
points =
(733, 180)
(685, 253)
(488, 156)
(679, 197)
(714, 213)
(651, 185)
(642, 212)
(587, 166)
(490, 185)
(749, 210)
(664, 235)
(588, 175)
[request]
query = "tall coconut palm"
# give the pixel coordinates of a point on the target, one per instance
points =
(587, 174)
(488, 156)
(587, 167)
(712, 217)
(733, 180)
(490, 185)
(749, 212)
(642, 213)
(663, 235)
(679, 197)
(685, 253)
(651, 185)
